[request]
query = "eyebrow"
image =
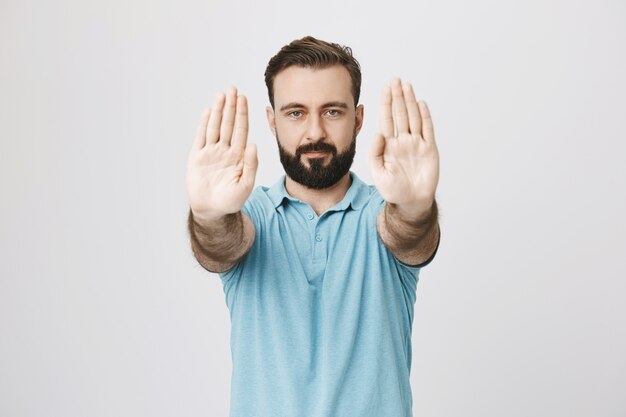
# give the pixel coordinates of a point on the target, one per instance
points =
(294, 105)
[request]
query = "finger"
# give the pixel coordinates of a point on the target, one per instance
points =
(377, 152)
(428, 131)
(240, 130)
(386, 119)
(213, 127)
(250, 164)
(415, 120)
(398, 107)
(200, 139)
(228, 119)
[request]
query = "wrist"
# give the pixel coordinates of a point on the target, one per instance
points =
(414, 212)
(205, 220)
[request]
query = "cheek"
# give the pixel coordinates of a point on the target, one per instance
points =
(288, 129)
(344, 131)
(288, 137)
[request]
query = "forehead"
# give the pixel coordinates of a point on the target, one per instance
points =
(313, 86)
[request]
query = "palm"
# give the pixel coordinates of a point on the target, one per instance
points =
(409, 171)
(404, 158)
(216, 179)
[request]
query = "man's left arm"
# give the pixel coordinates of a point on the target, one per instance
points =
(413, 240)
(405, 168)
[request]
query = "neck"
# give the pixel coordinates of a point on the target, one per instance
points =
(319, 200)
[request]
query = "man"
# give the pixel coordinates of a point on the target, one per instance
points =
(320, 270)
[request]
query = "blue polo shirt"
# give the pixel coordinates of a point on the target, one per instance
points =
(321, 311)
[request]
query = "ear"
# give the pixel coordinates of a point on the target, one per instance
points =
(359, 118)
(269, 113)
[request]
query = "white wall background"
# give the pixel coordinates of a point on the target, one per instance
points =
(103, 309)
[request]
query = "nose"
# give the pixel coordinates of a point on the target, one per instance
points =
(315, 131)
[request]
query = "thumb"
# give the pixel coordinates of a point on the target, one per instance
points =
(377, 151)
(250, 164)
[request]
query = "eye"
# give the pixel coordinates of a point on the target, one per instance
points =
(294, 114)
(333, 112)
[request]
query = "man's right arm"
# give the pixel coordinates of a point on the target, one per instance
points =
(220, 176)
(220, 244)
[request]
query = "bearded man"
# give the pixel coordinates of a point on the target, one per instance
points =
(320, 270)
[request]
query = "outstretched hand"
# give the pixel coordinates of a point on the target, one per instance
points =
(404, 158)
(221, 167)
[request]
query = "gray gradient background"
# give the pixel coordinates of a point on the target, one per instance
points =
(103, 309)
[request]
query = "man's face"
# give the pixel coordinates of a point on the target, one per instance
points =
(315, 123)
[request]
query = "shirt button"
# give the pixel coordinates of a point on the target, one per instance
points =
(309, 216)
(318, 238)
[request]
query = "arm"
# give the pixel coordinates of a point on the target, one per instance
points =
(220, 244)
(413, 241)
(405, 169)
(220, 177)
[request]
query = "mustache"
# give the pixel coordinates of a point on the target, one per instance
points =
(316, 147)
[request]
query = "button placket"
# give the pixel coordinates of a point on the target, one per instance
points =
(319, 243)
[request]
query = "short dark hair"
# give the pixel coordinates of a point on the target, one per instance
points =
(314, 53)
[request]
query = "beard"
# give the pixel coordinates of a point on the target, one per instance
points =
(317, 175)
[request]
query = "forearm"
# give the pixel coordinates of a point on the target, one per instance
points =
(411, 238)
(219, 243)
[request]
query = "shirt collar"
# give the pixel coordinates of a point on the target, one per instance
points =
(355, 197)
